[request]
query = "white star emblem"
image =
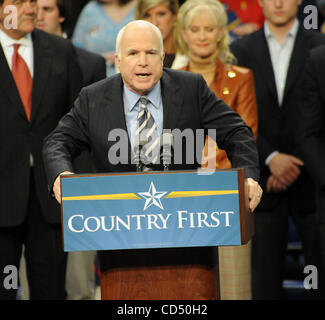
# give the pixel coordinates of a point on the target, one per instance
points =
(152, 197)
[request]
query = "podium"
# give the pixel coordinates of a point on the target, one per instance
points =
(165, 269)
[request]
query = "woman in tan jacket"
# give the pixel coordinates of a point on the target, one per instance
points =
(204, 39)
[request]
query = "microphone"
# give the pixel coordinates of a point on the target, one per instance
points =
(167, 144)
(138, 156)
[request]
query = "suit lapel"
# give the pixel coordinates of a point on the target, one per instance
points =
(297, 60)
(115, 107)
(263, 58)
(172, 102)
(42, 65)
(9, 85)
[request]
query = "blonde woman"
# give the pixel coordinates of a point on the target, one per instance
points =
(204, 39)
(163, 14)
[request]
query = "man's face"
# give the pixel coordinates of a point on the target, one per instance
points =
(140, 61)
(280, 12)
(26, 17)
(48, 18)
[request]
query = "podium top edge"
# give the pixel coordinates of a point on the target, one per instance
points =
(202, 171)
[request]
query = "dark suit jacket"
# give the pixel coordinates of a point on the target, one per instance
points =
(188, 103)
(277, 126)
(56, 83)
(311, 133)
(93, 68)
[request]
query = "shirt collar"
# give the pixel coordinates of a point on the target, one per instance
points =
(7, 41)
(132, 98)
(292, 32)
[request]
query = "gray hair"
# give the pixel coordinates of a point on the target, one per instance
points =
(143, 23)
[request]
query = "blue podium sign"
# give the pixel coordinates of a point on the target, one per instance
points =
(151, 210)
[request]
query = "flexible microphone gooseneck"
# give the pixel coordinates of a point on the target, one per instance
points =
(167, 145)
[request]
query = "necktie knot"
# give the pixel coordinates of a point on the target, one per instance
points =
(16, 47)
(143, 102)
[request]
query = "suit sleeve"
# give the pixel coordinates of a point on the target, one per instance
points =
(67, 140)
(232, 134)
(100, 69)
(242, 58)
(265, 147)
(310, 134)
(246, 105)
(75, 76)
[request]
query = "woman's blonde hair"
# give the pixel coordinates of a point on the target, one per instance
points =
(143, 6)
(189, 10)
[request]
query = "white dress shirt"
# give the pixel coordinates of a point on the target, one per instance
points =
(25, 49)
(280, 57)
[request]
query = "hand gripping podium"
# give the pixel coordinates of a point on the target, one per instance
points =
(157, 233)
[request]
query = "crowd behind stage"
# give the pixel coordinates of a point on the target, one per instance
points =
(264, 58)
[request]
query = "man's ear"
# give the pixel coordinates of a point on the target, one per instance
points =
(117, 61)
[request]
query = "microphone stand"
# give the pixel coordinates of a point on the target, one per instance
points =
(138, 154)
(139, 164)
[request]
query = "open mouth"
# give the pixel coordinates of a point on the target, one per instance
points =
(143, 75)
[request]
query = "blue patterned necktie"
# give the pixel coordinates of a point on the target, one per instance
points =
(147, 131)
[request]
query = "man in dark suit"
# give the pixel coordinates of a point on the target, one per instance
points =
(31, 107)
(73, 10)
(182, 100)
(311, 134)
(282, 47)
(52, 18)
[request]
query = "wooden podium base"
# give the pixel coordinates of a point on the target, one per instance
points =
(160, 274)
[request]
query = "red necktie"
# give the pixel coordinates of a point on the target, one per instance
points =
(23, 79)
